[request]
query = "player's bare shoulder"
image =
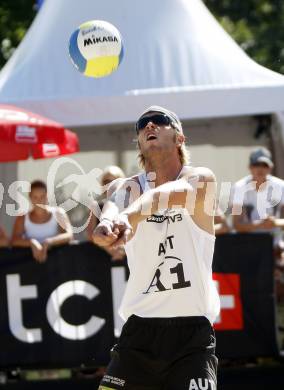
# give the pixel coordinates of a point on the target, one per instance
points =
(205, 174)
(203, 181)
(124, 190)
(199, 174)
(115, 186)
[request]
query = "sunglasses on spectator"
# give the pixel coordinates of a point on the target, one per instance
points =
(158, 119)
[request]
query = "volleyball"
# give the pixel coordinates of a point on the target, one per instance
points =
(96, 48)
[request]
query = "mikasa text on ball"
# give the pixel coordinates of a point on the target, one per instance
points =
(96, 48)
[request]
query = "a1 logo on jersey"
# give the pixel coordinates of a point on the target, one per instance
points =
(170, 272)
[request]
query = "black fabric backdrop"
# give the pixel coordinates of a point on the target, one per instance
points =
(77, 262)
(249, 256)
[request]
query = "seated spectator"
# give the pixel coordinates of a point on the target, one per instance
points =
(4, 241)
(42, 227)
(258, 206)
(109, 174)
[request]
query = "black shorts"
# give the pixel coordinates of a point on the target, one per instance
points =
(163, 354)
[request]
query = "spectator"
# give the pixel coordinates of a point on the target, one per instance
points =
(109, 174)
(4, 241)
(258, 206)
(43, 226)
(255, 207)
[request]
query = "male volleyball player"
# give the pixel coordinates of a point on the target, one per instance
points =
(170, 301)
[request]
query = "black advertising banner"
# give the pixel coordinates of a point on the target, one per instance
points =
(58, 313)
(63, 313)
(243, 266)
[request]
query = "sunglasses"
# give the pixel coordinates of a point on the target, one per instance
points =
(158, 119)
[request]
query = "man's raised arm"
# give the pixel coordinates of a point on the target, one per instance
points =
(104, 234)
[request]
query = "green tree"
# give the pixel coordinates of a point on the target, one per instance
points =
(15, 19)
(256, 25)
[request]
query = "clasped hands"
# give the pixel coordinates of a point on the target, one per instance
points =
(113, 233)
(39, 250)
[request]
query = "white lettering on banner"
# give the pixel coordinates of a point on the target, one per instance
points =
(201, 384)
(56, 300)
(16, 293)
(50, 150)
(26, 134)
(118, 281)
(226, 302)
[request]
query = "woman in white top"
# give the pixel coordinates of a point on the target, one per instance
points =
(43, 226)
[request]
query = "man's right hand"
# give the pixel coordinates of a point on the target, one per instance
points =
(104, 235)
(124, 229)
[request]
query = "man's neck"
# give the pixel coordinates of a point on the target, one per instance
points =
(164, 172)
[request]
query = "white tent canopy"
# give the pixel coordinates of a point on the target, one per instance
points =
(176, 55)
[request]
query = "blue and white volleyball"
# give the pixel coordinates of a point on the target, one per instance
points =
(96, 48)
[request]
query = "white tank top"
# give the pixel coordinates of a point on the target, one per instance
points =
(170, 263)
(41, 231)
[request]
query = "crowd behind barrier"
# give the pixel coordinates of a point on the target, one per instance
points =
(63, 313)
(43, 228)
